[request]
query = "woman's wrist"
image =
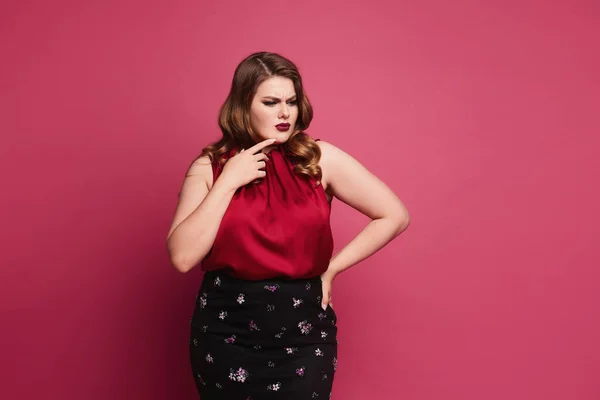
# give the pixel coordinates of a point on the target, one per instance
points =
(329, 275)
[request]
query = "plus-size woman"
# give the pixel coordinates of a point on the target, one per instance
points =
(254, 212)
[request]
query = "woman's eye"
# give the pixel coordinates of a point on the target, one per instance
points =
(272, 103)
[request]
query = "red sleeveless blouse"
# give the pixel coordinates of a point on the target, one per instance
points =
(279, 227)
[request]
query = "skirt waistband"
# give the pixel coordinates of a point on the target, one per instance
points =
(224, 275)
(221, 285)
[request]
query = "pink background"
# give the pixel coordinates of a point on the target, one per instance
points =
(482, 116)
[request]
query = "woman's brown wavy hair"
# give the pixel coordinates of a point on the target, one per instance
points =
(234, 117)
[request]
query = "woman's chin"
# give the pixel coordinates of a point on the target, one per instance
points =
(282, 137)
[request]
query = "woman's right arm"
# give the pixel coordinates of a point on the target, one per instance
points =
(198, 215)
(200, 209)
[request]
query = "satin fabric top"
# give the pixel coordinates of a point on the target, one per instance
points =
(279, 227)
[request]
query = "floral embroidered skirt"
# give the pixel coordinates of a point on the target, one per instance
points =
(259, 340)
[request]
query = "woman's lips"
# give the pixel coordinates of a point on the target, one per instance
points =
(282, 127)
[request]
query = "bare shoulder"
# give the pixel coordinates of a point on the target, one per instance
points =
(330, 153)
(325, 147)
(330, 157)
(200, 171)
(322, 163)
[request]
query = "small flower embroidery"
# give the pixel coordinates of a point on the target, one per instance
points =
(297, 302)
(305, 327)
(253, 326)
(334, 362)
(222, 315)
(271, 288)
(319, 352)
(322, 316)
(195, 342)
(217, 281)
(257, 347)
(315, 395)
(278, 335)
(274, 387)
(270, 307)
(240, 298)
(238, 376)
(209, 359)
(218, 385)
(230, 339)
(204, 328)
(308, 286)
(202, 300)
(300, 371)
(324, 377)
(323, 334)
(201, 380)
(291, 350)
(271, 364)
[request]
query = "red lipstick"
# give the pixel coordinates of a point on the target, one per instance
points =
(282, 127)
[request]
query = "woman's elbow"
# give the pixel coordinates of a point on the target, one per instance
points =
(402, 221)
(180, 263)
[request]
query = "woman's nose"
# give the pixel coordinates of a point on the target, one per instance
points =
(284, 111)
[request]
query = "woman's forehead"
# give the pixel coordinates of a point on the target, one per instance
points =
(278, 87)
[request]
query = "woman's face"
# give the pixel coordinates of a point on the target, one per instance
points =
(274, 105)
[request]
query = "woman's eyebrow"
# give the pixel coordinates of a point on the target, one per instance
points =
(277, 98)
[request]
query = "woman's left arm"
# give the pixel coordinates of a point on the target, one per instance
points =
(347, 180)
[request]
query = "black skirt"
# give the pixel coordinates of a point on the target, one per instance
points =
(268, 339)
